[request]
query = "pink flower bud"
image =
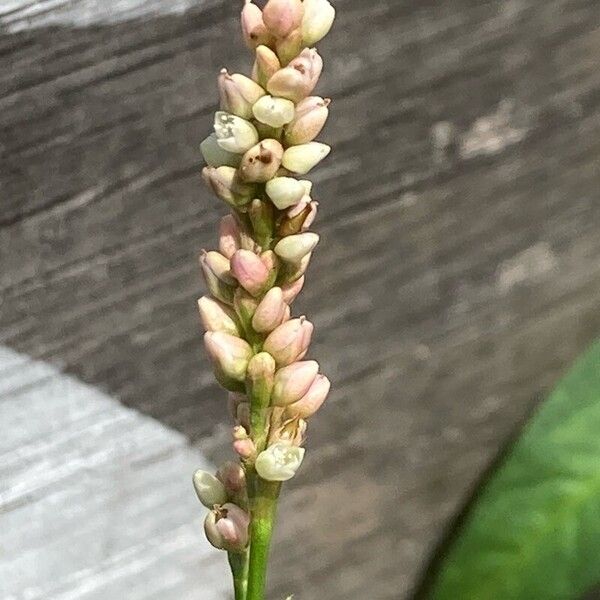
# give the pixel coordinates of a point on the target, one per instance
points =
(227, 186)
(289, 83)
(244, 448)
(293, 382)
(229, 236)
(294, 248)
(283, 16)
(250, 271)
(291, 290)
(309, 119)
(310, 403)
(230, 356)
(226, 528)
(270, 311)
(216, 316)
(233, 477)
(253, 27)
(310, 64)
(266, 65)
(238, 94)
(262, 161)
(286, 343)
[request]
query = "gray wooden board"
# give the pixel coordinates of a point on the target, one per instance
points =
(95, 499)
(458, 275)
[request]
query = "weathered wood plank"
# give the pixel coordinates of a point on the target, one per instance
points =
(457, 278)
(95, 499)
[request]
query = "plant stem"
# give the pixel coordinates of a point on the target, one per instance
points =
(261, 530)
(239, 569)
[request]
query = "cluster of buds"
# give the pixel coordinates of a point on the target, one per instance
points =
(262, 146)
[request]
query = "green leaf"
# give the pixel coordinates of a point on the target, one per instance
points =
(534, 534)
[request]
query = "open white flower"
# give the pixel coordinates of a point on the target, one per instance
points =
(279, 462)
(234, 134)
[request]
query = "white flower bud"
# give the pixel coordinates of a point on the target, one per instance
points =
(301, 159)
(275, 112)
(285, 191)
(294, 248)
(279, 462)
(317, 21)
(209, 489)
(234, 134)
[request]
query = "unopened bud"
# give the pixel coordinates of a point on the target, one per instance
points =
(270, 311)
(226, 185)
(260, 378)
(279, 462)
(317, 21)
(230, 356)
(293, 382)
(291, 290)
(218, 288)
(226, 528)
(244, 448)
(262, 161)
(310, 403)
(262, 217)
(310, 117)
(220, 266)
(233, 477)
(229, 236)
(266, 65)
(289, 47)
(215, 156)
(301, 159)
(294, 271)
(275, 112)
(245, 306)
(209, 489)
(250, 271)
(289, 83)
(285, 191)
(253, 27)
(310, 64)
(217, 316)
(295, 247)
(234, 134)
(238, 94)
(289, 341)
(283, 16)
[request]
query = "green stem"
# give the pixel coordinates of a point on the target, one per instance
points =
(261, 530)
(239, 569)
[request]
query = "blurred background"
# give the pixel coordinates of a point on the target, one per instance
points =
(458, 277)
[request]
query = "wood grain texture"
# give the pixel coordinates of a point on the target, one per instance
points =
(458, 276)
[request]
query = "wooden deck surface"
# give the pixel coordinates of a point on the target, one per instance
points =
(458, 276)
